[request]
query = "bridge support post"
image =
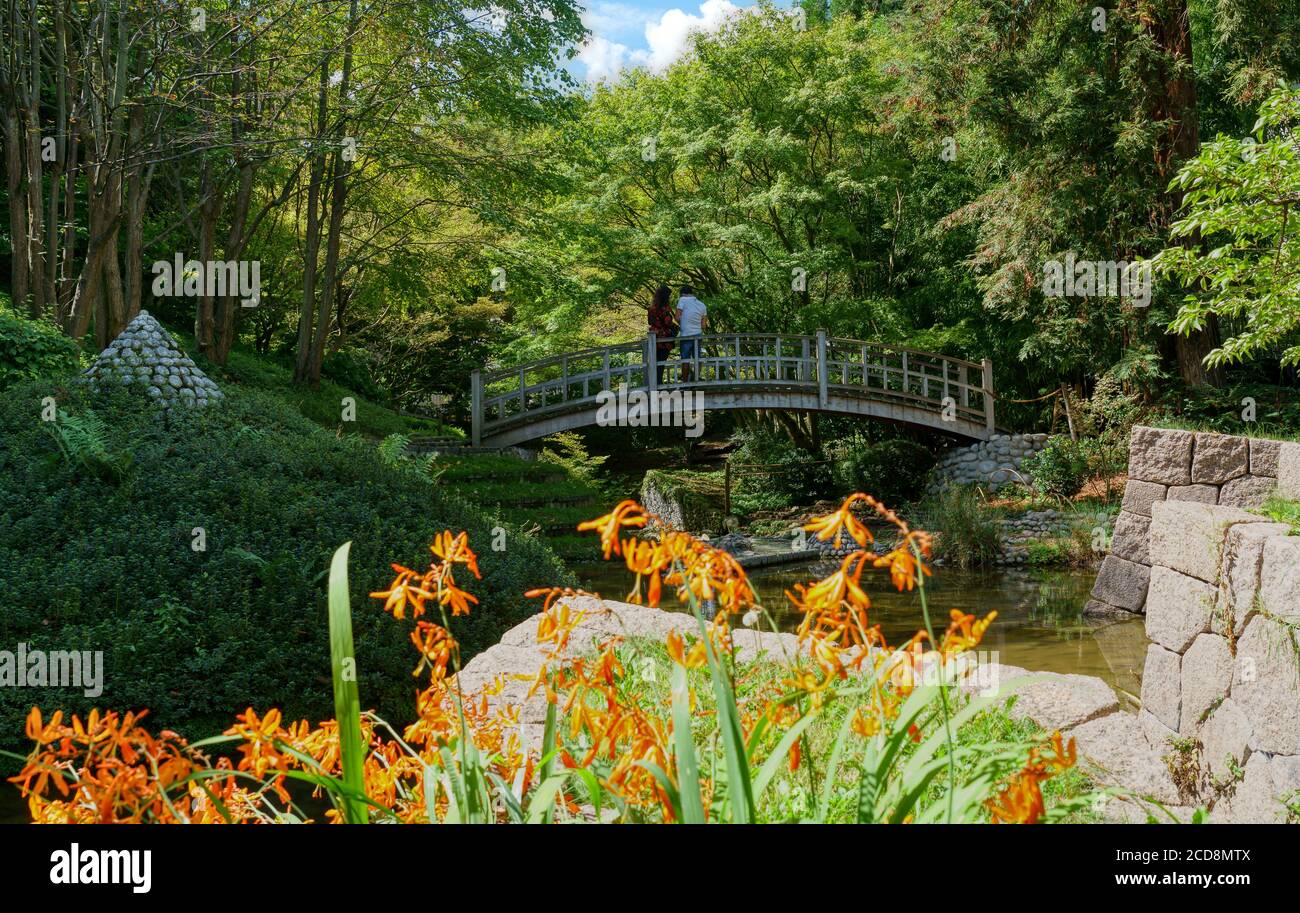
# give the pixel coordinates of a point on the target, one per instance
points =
(988, 395)
(651, 361)
(476, 408)
(823, 396)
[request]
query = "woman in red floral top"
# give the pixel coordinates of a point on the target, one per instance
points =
(664, 326)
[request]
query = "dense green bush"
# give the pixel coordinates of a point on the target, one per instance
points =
(968, 532)
(104, 561)
(1062, 466)
(792, 477)
(30, 349)
(892, 471)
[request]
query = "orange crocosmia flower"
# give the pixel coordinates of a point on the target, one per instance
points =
(458, 599)
(625, 515)
(840, 522)
(404, 591)
(455, 550)
(694, 658)
(964, 633)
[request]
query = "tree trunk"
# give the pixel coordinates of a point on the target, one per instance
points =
(311, 255)
(338, 201)
(17, 206)
(1180, 142)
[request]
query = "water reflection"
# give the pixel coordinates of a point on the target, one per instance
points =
(1040, 624)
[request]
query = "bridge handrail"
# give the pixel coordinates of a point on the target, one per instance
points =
(812, 358)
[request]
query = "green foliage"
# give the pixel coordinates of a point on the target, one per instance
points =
(1284, 511)
(323, 405)
(570, 454)
(893, 472)
(83, 442)
(791, 476)
(1061, 467)
(969, 533)
(1236, 247)
(95, 563)
(32, 349)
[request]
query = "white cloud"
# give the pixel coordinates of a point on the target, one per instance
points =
(604, 59)
(670, 36)
(667, 38)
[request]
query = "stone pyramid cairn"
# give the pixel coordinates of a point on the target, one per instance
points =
(145, 354)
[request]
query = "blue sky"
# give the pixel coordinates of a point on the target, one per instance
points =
(645, 33)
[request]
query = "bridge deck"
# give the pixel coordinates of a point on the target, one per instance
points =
(740, 371)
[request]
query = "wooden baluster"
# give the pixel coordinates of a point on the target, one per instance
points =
(476, 408)
(822, 395)
(987, 365)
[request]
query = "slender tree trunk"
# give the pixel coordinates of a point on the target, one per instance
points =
(302, 365)
(17, 201)
(338, 202)
(35, 176)
(1181, 141)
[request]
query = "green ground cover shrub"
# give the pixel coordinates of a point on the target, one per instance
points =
(31, 349)
(97, 561)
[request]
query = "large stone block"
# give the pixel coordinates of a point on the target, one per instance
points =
(1247, 491)
(1157, 733)
(1189, 537)
(1160, 455)
(1256, 800)
(1266, 686)
(1206, 677)
(1263, 457)
(1198, 494)
(1217, 458)
(1243, 557)
(1288, 471)
(1225, 738)
(1178, 608)
(1114, 751)
(1104, 613)
(1279, 577)
(1129, 541)
(1121, 583)
(1056, 701)
(1162, 685)
(1139, 496)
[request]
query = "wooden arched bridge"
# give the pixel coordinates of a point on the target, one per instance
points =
(816, 373)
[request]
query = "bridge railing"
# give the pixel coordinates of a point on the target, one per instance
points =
(830, 366)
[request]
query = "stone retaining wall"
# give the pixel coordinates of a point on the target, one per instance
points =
(1220, 588)
(1185, 466)
(993, 463)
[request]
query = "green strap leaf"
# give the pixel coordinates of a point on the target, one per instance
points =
(347, 701)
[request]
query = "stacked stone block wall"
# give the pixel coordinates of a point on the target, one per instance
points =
(1167, 465)
(1220, 589)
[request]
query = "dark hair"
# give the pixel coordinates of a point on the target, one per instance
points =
(661, 296)
(687, 290)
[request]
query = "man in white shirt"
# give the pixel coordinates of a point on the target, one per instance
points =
(693, 318)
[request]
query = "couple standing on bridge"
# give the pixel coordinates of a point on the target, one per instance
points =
(687, 321)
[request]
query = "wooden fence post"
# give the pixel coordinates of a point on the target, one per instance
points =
(651, 362)
(822, 396)
(476, 408)
(988, 395)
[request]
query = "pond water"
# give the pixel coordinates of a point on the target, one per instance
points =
(1040, 624)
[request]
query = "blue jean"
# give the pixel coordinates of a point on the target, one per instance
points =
(688, 348)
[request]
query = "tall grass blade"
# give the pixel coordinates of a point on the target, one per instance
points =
(347, 702)
(688, 764)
